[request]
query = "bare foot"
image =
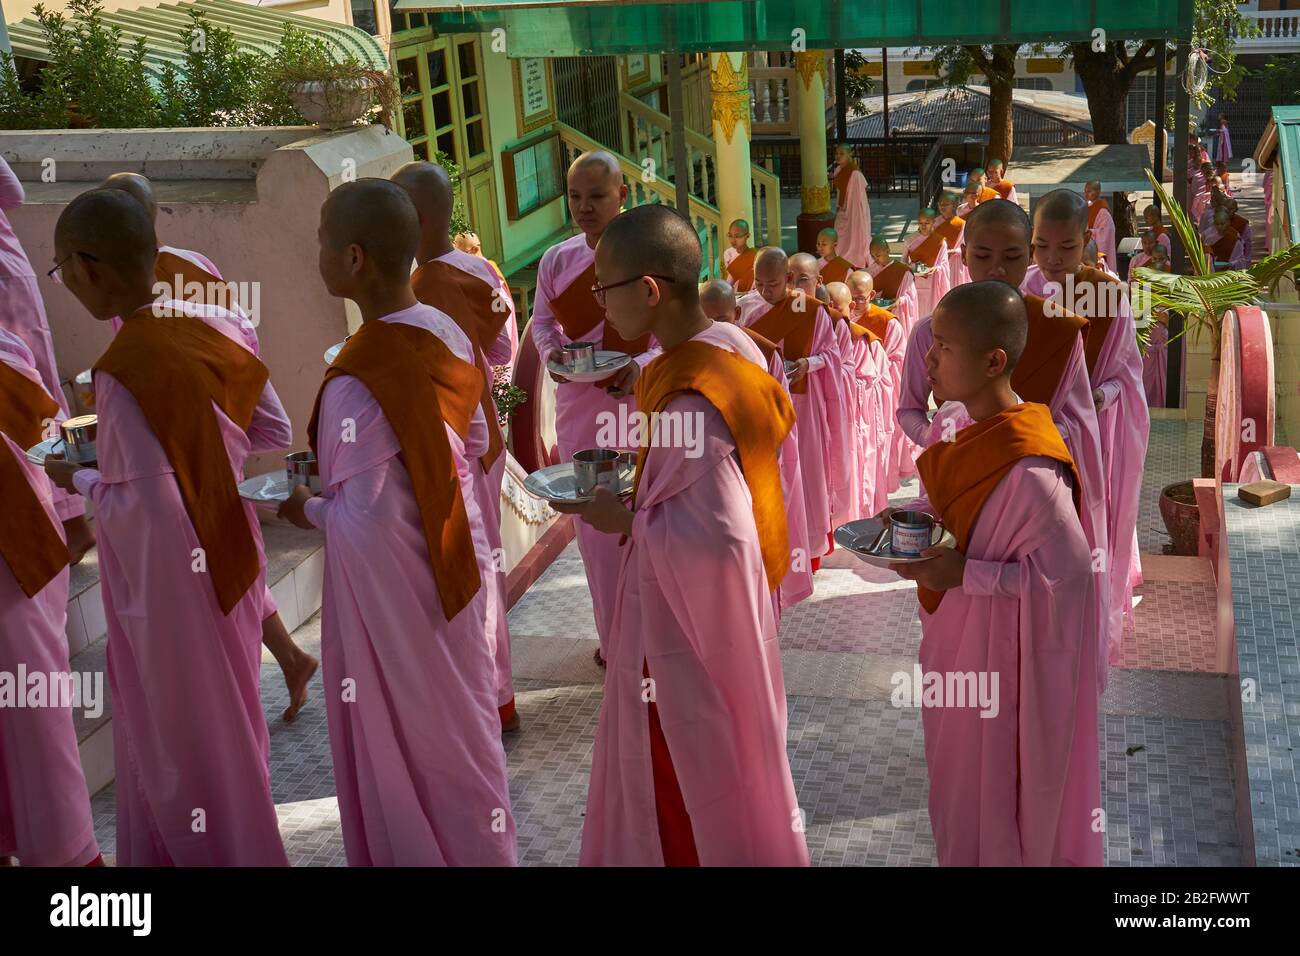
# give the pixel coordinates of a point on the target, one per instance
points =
(80, 538)
(296, 677)
(511, 725)
(597, 658)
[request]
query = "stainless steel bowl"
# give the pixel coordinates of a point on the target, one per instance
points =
(79, 437)
(302, 468)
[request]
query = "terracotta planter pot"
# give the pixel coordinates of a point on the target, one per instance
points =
(1182, 517)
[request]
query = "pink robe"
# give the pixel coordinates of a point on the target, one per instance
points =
(1124, 422)
(901, 456)
(694, 606)
(934, 285)
(579, 408)
(1236, 260)
(1103, 233)
(1139, 261)
(188, 728)
(853, 221)
(1020, 788)
(487, 485)
(22, 312)
(418, 762)
(1155, 365)
(872, 376)
(1075, 417)
(820, 416)
(44, 805)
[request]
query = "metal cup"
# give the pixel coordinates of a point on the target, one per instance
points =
(593, 467)
(910, 533)
(302, 468)
(580, 357)
(79, 437)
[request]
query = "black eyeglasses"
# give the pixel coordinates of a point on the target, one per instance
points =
(57, 276)
(599, 290)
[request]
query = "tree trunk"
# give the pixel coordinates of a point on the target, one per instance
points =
(1001, 134)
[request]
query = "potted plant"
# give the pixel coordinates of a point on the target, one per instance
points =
(333, 93)
(1202, 298)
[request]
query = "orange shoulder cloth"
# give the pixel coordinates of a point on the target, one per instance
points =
(757, 412)
(1094, 293)
(1094, 209)
(950, 230)
(928, 250)
(876, 320)
(836, 270)
(1052, 334)
(959, 475)
(190, 282)
(481, 313)
(1003, 187)
(176, 367)
(578, 313)
(418, 382)
(791, 328)
(888, 280)
(741, 271)
(29, 542)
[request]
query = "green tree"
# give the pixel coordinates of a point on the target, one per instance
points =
(958, 65)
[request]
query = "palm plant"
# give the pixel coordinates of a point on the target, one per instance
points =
(1203, 298)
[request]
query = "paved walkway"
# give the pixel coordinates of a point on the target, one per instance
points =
(858, 762)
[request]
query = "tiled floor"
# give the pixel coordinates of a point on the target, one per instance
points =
(858, 762)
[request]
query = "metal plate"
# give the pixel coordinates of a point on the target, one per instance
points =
(865, 539)
(333, 351)
(271, 488)
(558, 485)
(607, 363)
(38, 452)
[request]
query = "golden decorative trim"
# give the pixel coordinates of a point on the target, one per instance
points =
(731, 96)
(815, 199)
(809, 64)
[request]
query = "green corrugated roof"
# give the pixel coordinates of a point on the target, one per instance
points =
(583, 27)
(163, 27)
(1287, 121)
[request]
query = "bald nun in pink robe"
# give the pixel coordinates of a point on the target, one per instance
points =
(695, 627)
(1123, 421)
(1008, 618)
(22, 312)
(415, 732)
(44, 805)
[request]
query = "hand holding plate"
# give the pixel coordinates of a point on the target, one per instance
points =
(625, 382)
(60, 471)
(294, 508)
(942, 572)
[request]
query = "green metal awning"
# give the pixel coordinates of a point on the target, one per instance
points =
(163, 28)
(550, 28)
(1283, 136)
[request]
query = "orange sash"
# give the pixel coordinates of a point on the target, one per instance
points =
(171, 269)
(1099, 324)
(419, 383)
(29, 542)
(759, 416)
(1094, 210)
(888, 279)
(741, 271)
(855, 331)
(1223, 249)
(791, 329)
(176, 367)
(766, 346)
(1037, 375)
(578, 313)
(841, 181)
(470, 302)
(959, 475)
(986, 193)
(876, 320)
(950, 230)
(836, 270)
(1003, 187)
(928, 250)
(1239, 223)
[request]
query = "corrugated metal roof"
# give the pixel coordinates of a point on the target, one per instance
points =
(163, 27)
(962, 112)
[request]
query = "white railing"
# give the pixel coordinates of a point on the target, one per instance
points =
(1279, 29)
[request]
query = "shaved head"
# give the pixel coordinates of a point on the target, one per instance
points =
(430, 190)
(596, 162)
(111, 225)
(803, 262)
(378, 216)
(1063, 205)
(841, 297)
(991, 315)
(137, 186)
(830, 233)
(770, 260)
(861, 281)
(653, 238)
(1007, 214)
(718, 293)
